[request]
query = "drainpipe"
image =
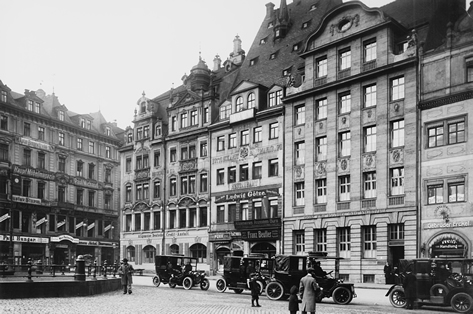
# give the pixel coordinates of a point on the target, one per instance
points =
(164, 207)
(419, 150)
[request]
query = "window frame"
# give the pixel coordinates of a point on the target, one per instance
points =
(321, 106)
(369, 95)
(344, 59)
(397, 91)
(321, 67)
(368, 50)
(299, 114)
(369, 185)
(344, 188)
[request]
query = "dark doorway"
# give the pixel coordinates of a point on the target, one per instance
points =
(395, 254)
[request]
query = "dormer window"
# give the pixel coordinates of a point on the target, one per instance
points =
(262, 41)
(143, 107)
(130, 137)
(36, 107)
(239, 104)
(296, 47)
(82, 123)
(253, 61)
(3, 96)
(251, 100)
(107, 131)
(88, 124)
(29, 105)
(286, 72)
(305, 24)
(270, 24)
(61, 115)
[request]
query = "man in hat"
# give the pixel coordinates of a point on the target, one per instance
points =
(308, 289)
(125, 271)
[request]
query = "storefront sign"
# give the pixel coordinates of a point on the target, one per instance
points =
(64, 237)
(4, 217)
(450, 224)
(32, 143)
(219, 237)
(151, 235)
(177, 234)
(40, 222)
(233, 197)
(258, 223)
(256, 235)
(252, 151)
(86, 183)
(31, 172)
(30, 200)
(448, 244)
(24, 239)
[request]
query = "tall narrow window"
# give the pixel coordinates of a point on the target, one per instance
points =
(91, 198)
(344, 188)
(344, 242)
(369, 241)
(345, 144)
(321, 186)
(251, 101)
(321, 66)
(345, 59)
(184, 182)
(232, 174)
(184, 122)
(239, 104)
(80, 197)
(41, 160)
(344, 101)
(244, 175)
(203, 182)
(26, 129)
(203, 149)
(194, 117)
(245, 137)
(79, 144)
(397, 88)
(299, 153)
(157, 158)
(321, 146)
(173, 187)
(91, 148)
(370, 139)
(369, 184)
(299, 115)
(273, 131)
(299, 193)
(220, 143)
(108, 152)
(172, 154)
(61, 164)
(456, 131)
(397, 181)
(220, 176)
(91, 171)
(26, 188)
(244, 211)
(157, 189)
(232, 140)
(299, 241)
(257, 134)
(3, 123)
(320, 240)
(220, 213)
(62, 140)
(369, 95)
(27, 157)
(257, 170)
(321, 108)
(397, 133)
(61, 193)
(173, 123)
(369, 50)
(273, 167)
(41, 190)
(41, 133)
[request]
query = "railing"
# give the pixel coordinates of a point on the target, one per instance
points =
(396, 200)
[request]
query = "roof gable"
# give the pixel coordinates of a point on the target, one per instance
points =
(243, 86)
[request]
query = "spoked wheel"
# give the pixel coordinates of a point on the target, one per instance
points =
(187, 283)
(274, 290)
(221, 285)
(156, 280)
(342, 295)
(238, 291)
(397, 297)
(205, 284)
(462, 302)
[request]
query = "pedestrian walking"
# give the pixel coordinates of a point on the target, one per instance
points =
(125, 271)
(308, 289)
(387, 273)
(409, 285)
(254, 291)
(294, 300)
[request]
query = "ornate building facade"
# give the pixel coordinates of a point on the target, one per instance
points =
(58, 189)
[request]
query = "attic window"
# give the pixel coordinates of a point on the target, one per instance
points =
(296, 47)
(3, 96)
(61, 115)
(36, 107)
(273, 56)
(82, 123)
(286, 72)
(88, 124)
(107, 131)
(305, 24)
(253, 61)
(270, 24)
(263, 41)
(313, 7)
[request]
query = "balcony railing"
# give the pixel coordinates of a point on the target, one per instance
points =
(396, 200)
(368, 203)
(320, 208)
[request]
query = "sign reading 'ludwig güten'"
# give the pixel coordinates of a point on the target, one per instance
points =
(232, 197)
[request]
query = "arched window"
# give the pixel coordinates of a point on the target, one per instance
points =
(130, 253)
(199, 251)
(251, 100)
(174, 248)
(264, 248)
(239, 104)
(149, 253)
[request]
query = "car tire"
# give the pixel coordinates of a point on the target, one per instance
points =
(261, 286)
(172, 285)
(274, 290)
(187, 283)
(221, 285)
(342, 295)
(205, 284)
(156, 281)
(397, 297)
(238, 291)
(439, 290)
(462, 302)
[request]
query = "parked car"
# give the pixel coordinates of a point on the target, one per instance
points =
(179, 270)
(237, 270)
(289, 269)
(439, 282)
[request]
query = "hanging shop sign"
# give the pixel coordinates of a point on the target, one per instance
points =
(233, 197)
(64, 237)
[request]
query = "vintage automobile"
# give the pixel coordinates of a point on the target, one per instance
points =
(289, 269)
(237, 269)
(439, 282)
(179, 270)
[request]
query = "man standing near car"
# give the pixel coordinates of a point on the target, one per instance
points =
(409, 285)
(308, 289)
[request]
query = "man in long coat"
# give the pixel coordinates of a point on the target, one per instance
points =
(308, 289)
(125, 271)
(409, 285)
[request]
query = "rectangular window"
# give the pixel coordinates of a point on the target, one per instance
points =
(299, 153)
(397, 181)
(4, 123)
(397, 133)
(157, 221)
(321, 66)
(91, 147)
(128, 193)
(299, 242)
(41, 160)
(192, 151)
(26, 129)
(26, 188)
(345, 143)
(225, 112)
(29, 105)
(91, 171)
(173, 187)
(62, 140)
(184, 122)
(244, 211)
(369, 179)
(108, 175)
(245, 137)
(80, 197)
(3, 152)
(61, 164)
(220, 143)
(61, 194)
(272, 99)
(184, 153)
(397, 88)
(156, 189)
(456, 131)
(299, 115)
(139, 192)
(203, 149)
(139, 133)
(157, 158)
(396, 232)
(139, 162)
(244, 175)
(232, 174)
(369, 95)
(3, 96)
(273, 170)
(257, 170)
(321, 146)
(232, 140)
(320, 240)
(369, 50)
(61, 115)
(273, 131)
(344, 242)
(231, 212)
(258, 210)
(370, 139)
(456, 191)
(435, 194)
(192, 217)
(36, 107)
(108, 152)
(191, 184)
(368, 234)
(184, 182)
(220, 213)
(344, 59)
(299, 193)
(344, 188)
(79, 144)
(173, 123)
(91, 198)
(344, 103)
(203, 216)
(146, 131)
(203, 182)
(257, 134)
(321, 186)
(194, 117)
(220, 176)
(41, 190)
(321, 106)
(206, 115)
(41, 133)
(172, 154)
(27, 157)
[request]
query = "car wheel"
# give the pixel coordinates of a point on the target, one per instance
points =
(238, 291)
(221, 285)
(187, 283)
(439, 290)
(397, 297)
(172, 284)
(342, 295)
(462, 302)
(274, 290)
(156, 280)
(261, 286)
(205, 284)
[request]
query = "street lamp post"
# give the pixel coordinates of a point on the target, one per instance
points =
(10, 247)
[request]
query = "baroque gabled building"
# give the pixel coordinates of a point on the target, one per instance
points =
(60, 175)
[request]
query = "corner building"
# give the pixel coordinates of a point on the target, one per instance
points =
(351, 138)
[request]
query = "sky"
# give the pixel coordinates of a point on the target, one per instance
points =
(103, 54)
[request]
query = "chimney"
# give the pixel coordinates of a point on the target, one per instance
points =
(269, 10)
(236, 45)
(217, 63)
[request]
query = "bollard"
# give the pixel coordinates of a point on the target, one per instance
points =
(80, 268)
(105, 269)
(30, 263)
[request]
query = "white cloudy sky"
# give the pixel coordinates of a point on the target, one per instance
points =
(102, 54)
